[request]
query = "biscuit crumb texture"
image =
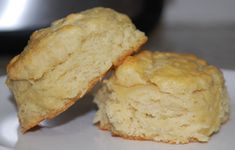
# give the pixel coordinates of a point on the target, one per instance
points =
(61, 62)
(160, 96)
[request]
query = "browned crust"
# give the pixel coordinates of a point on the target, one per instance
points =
(91, 84)
(129, 52)
(48, 116)
(146, 138)
(59, 111)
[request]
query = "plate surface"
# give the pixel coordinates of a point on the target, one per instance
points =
(74, 129)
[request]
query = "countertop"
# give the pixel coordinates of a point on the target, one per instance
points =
(212, 43)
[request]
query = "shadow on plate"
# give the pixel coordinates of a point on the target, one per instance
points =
(81, 107)
(12, 100)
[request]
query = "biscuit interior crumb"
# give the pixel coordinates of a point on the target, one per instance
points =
(61, 62)
(168, 97)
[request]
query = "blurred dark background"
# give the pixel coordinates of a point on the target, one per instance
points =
(19, 18)
(202, 27)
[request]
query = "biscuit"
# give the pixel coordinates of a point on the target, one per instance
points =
(160, 96)
(62, 62)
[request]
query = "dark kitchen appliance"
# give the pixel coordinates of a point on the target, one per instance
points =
(19, 18)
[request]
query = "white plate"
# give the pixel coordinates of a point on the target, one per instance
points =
(74, 129)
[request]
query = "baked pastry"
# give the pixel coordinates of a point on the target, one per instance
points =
(62, 62)
(160, 96)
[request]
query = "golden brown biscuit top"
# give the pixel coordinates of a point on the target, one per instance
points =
(170, 72)
(51, 46)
